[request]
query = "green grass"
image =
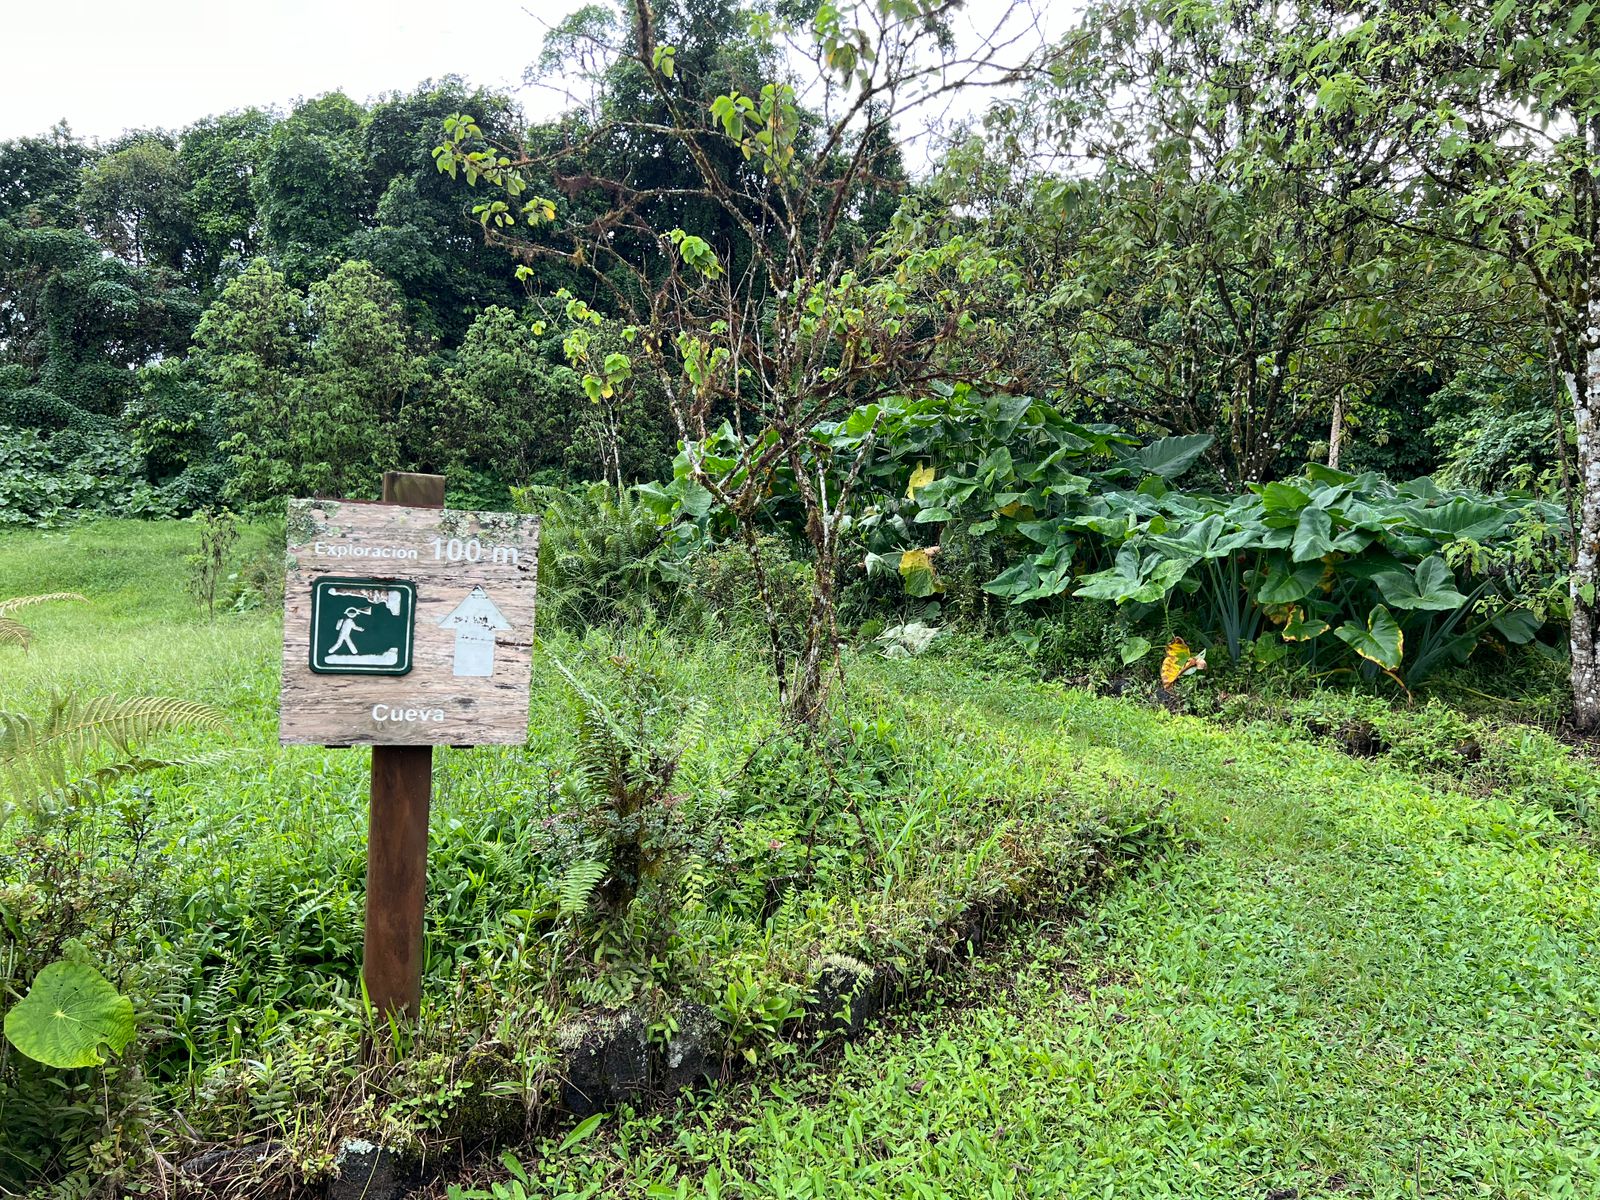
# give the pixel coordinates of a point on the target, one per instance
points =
(1351, 985)
(244, 957)
(140, 632)
(1354, 980)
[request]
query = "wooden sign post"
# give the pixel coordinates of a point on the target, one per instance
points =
(406, 626)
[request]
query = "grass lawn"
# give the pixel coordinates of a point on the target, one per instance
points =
(225, 898)
(1349, 985)
(1347, 982)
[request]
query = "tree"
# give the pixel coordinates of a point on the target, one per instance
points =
(250, 347)
(1486, 120)
(422, 234)
(75, 324)
(1206, 276)
(39, 177)
(313, 385)
(135, 202)
(313, 187)
(220, 156)
(363, 370)
(753, 356)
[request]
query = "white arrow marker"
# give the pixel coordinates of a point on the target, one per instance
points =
(475, 620)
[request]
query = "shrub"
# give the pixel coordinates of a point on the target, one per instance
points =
(604, 558)
(50, 480)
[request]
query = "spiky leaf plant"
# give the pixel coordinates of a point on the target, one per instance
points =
(81, 743)
(12, 631)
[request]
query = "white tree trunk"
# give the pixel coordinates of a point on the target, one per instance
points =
(1336, 430)
(1583, 381)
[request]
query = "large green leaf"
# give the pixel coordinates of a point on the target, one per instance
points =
(1431, 587)
(1517, 625)
(1014, 581)
(1284, 583)
(1380, 641)
(1313, 534)
(1142, 580)
(68, 1015)
(1471, 519)
(1303, 628)
(1209, 537)
(1170, 457)
(1280, 498)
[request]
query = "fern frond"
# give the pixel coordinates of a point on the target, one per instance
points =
(49, 757)
(15, 602)
(693, 725)
(13, 633)
(577, 882)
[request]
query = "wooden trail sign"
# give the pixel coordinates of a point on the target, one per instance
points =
(406, 625)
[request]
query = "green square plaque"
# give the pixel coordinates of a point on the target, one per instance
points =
(362, 626)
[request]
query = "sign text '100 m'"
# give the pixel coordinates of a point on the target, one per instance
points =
(471, 550)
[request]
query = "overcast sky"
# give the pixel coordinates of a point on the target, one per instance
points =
(109, 65)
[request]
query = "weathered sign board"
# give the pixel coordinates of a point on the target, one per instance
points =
(407, 626)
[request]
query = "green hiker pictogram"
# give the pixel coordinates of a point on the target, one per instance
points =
(362, 626)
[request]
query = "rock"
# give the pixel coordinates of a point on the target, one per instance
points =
(367, 1171)
(689, 1057)
(843, 998)
(606, 1060)
(1361, 739)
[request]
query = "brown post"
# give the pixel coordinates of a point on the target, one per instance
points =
(397, 833)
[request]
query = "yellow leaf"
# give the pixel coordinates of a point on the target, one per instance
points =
(920, 478)
(1179, 662)
(1016, 509)
(915, 560)
(1282, 614)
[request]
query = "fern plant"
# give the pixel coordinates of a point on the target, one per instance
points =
(82, 743)
(630, 745)
(12, 631)
(604, 558)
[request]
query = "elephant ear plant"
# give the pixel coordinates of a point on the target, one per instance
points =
(52, 766)
(1336, 570)
(69, 1016)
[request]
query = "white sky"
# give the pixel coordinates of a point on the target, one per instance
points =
(109, 65)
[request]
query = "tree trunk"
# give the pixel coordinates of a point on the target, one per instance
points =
(1336, 430)
(1583, 381)
(810, 695)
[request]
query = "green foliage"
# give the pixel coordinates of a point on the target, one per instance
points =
(75, 322)
(633, 732)
(47, 481)
(136, 202)
(57, 758)
(233, 920)
(40, 177)
(1088, 511)
(310, 188)
(69, 1013)
(176, 428)
(314, 386)
(604, 558)
(1289, 964)
(219, 532)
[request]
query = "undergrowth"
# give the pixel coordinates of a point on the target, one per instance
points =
(662, 846)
